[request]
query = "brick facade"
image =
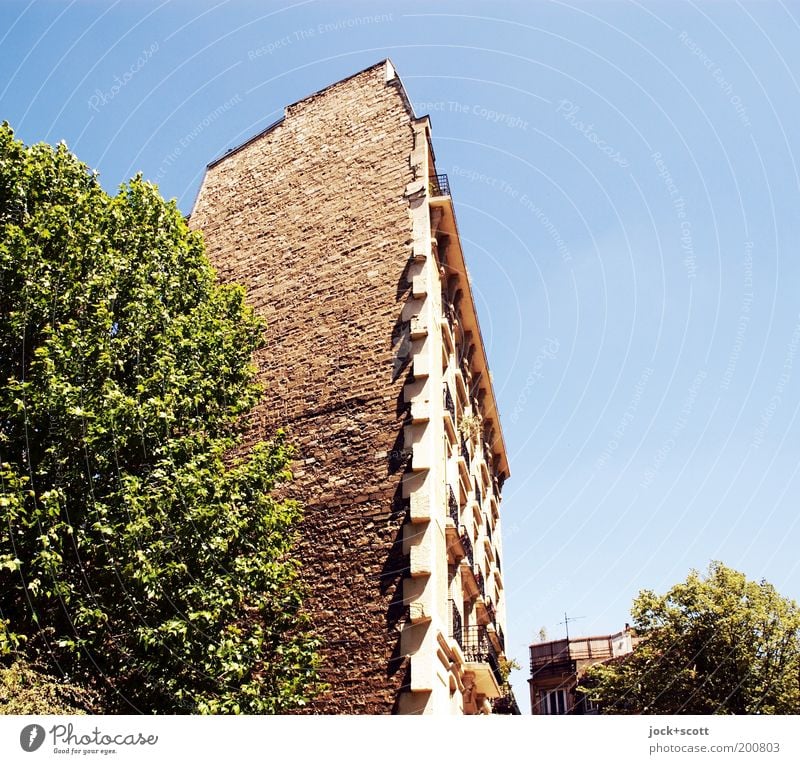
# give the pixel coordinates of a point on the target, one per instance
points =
(311, 218)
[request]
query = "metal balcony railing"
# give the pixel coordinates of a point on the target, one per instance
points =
(467, 544)
(506, 704)
(481, 583)
(488, 530)
(448, 402)
(453, 506)
(465, 451)
(497, 561)
(490, 609)
(456, 624)
(478, 496)
(478, 648)
(439, 185)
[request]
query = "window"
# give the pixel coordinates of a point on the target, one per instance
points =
(553, 702)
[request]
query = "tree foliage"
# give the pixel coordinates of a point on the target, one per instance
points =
(26, 689)
(718, 644)
(135, 549)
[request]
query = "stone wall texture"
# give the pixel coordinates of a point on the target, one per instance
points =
(310, 216)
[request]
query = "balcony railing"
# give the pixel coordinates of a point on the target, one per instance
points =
(567, 651)
(465, 451)
(490, 609)
(453, 506)
(478, 648)
(497, 561)
(467, 544)
(456, 624)
(478, 496)
(439, 185)
(481, 583)
(506, 704)
(448, 402)
(488, 530)
(502, 637)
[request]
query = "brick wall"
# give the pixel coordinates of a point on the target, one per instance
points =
(311, 218)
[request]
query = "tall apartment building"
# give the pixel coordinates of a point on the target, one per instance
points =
(344, 234)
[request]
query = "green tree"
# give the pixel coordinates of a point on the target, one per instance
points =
(718, 644)
(140, 546)
(24, 689)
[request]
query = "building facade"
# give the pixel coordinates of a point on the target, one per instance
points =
(344, 234)
(557, 667)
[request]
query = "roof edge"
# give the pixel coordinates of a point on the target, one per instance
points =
(391, 78)
(240, 146)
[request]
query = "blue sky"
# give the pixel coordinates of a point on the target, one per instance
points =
(627, 192)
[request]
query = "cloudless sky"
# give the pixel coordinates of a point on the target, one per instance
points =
(627, 193)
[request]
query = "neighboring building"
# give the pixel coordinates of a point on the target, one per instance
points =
(344, 234)
(557, 666)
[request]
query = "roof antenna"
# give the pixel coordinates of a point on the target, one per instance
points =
(567, 620)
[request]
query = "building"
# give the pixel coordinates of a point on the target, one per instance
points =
(337, 221)
(557, 667)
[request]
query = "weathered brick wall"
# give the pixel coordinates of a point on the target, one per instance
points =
(311, 218)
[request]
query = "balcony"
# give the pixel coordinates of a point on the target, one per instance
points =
(467, 546)
(490, 610)
(454, 538)
(482, 659)
(439, 185)
(449, 413)
(447, 324)
(488, 548)
(506, 704)
(452, 505)
(449, 406)
(496, 486)
(473, 584)
(481, 584)
(454, 532)
(463, 464)
(456, 627)
(493, 507)
(448, 310)
(485, 473)
(563, 654)
(461, 386)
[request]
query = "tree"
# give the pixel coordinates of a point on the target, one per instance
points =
(26, 690)
(140, 546)
(718, 644)
(506, 703)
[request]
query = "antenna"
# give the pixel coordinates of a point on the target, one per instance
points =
(567, 620)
